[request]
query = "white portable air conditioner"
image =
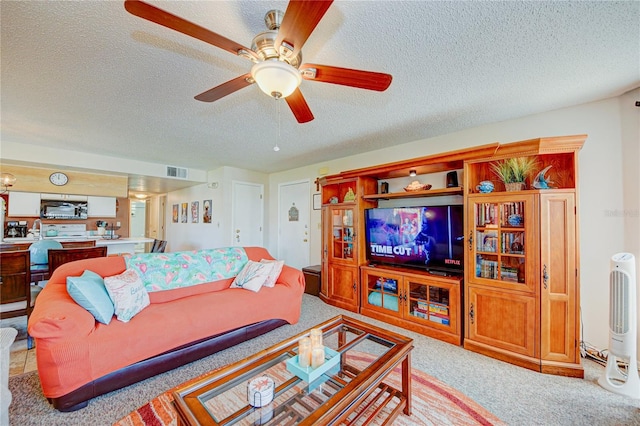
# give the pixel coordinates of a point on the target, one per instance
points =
(623, 328)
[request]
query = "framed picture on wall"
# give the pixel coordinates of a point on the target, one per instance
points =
(184, 213)
(206, 211)
(195, 211)
(174, 214)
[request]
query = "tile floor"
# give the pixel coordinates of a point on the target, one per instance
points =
(21, 360)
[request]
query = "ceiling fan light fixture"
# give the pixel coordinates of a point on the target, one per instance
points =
(412, 173)
(276, 78)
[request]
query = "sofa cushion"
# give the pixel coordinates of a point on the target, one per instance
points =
(275, 271)
(252, 276)
(88, 291)
(128, 294)
(167, 271)
(179, 293)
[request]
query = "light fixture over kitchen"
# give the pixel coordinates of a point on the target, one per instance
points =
(6, 181)
(412, 173)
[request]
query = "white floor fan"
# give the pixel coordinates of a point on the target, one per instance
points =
(623, 328)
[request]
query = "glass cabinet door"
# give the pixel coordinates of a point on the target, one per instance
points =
(342, 233)
(432, 302)
(501, 233)
(382, 291)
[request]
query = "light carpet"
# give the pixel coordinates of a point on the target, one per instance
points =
(516, 395)
(433, 403)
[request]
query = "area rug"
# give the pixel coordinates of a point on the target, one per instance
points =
(433, 403)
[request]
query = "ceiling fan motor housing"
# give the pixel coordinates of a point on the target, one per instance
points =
(273, 19)
(264, 45)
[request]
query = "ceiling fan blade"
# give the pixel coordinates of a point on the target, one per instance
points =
(166, 19)
(299, 107)
(347, 77)
(225, 89)
(300, 19)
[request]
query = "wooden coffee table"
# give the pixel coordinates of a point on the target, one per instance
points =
(353, 393)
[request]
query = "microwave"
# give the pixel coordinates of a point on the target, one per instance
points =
(54, 209)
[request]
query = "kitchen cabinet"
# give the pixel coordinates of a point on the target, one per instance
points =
(24, 204)
(63, 197)
(101, 206)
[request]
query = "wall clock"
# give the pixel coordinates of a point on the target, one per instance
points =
(58, 178)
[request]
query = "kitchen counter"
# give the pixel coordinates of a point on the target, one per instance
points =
(122, 245)
(117, 246)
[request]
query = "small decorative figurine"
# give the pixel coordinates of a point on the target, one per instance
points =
(350, 195)
(485, 186)
(540, 181)
(515, 219)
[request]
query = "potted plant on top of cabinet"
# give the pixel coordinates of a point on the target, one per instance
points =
(514, 171)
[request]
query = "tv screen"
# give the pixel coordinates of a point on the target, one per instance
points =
(427, 237)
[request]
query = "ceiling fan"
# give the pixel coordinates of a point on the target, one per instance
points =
(276, 54)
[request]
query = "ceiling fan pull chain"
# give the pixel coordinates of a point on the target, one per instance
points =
(277, 148)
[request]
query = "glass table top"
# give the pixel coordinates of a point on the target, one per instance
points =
(222, 397)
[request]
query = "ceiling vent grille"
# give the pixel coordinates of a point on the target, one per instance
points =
(176, 172)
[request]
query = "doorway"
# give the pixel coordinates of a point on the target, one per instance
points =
(247, 214)
(293, 223)
(138, 222)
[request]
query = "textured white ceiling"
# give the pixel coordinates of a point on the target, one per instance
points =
(90, 77)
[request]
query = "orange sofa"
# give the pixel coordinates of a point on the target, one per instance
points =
(79, 358)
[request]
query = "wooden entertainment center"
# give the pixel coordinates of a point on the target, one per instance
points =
(519, 300)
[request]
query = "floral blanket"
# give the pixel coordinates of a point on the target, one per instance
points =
(166, 271)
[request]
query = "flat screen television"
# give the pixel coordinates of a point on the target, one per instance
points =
(425, 237)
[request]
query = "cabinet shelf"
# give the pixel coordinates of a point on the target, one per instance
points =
(457, 190)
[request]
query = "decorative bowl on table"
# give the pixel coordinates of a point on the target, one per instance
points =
(417, 186)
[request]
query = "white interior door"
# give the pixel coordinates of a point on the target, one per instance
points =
(247, 214)
(293, 223)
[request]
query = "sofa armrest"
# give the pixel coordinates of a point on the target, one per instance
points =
(291, 277)
(56, 316)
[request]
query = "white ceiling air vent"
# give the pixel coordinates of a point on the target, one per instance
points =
(176, 172)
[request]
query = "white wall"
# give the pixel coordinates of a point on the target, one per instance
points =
(195, 236)
(630, 124)
(601, 189)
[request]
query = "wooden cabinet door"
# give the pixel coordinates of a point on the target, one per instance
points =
(382, 291)
(341, 238)
(503, 320)
(558, 278)
(501, 248)
(343, 286)
(326, 238)
(432, 302)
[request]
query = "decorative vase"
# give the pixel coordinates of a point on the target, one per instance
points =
(514, 186)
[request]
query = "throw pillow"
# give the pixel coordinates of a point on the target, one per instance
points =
(252, 276)
(275, 271)
(128, 294)
(88, 291)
